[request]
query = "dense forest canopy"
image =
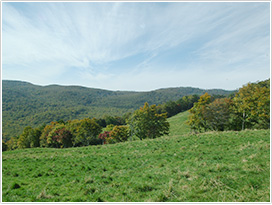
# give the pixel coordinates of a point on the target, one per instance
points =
(25, 104)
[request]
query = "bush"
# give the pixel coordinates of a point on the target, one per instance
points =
(120, 133)
(117, 134)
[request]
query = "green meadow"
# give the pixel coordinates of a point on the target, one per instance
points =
(178, 124)
(182, 167)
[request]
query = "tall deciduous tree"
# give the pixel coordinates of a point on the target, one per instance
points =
(45, 132)
(148, 123)
(197, 118)
(59, 137)
(23, 141)
(263, 111)
(252, 105)
(29, 138)
(217, 114)
(85, 132)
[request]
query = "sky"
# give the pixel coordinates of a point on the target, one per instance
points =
(139, 46)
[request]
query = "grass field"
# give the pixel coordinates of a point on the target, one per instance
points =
(178, 124)
(208, 167)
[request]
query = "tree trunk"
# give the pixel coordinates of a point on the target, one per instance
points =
(243, 123)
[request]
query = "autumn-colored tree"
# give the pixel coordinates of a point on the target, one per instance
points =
(59, 137)
(45, 132)
(148, 123)
(104, 137)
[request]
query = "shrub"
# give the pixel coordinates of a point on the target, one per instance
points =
(104, 136)
(120, 133)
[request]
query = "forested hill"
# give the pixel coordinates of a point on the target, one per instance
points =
(76, 95)
(26, 104)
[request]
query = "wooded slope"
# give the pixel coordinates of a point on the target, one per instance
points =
(25, 104)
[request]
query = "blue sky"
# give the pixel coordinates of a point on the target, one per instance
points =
(136, 45)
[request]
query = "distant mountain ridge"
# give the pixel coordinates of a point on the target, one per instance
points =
(26, 104)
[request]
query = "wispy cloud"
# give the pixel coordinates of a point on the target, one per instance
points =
(136, 46)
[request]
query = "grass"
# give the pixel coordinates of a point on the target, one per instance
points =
(208, 167)
(178, 124)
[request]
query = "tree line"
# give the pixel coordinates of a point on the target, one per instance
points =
(249, 108)
(24, 104)
(146, 122)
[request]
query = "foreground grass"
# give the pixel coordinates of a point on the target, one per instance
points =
(216, 166)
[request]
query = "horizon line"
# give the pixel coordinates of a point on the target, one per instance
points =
(105, 89)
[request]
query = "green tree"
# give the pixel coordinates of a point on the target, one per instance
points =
(12, 143)
(197, 118)
(171, 108)
(34, 137)
(120, 133)
(101, 122)
(148, 123)
(263, 107)
(85, 132)
(23, 141)
(109, 127)
(113, 120)
(29, 138)
(217, 114)
(252, 106)
(187, 102)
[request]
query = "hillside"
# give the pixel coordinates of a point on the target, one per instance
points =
(25, 104)
(178, 124)
(209, 167)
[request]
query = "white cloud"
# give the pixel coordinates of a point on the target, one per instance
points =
(42, 42)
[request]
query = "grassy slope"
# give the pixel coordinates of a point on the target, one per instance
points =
(219, 166)
(178, 124)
